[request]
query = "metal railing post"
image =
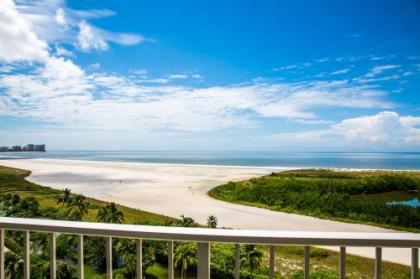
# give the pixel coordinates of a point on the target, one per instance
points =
(108, 257)
(378, 262)
(342, 267)
(272, 261)
(80, 266)
(26, 256)
(53, 256)
(203, 260)
(170, 260)
(237, 261)
(139, 258)
(306, 262)
(414, 263)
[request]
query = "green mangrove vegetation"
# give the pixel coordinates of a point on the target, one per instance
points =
(358, 196)
(21, 198)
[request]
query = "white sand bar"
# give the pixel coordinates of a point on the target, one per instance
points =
(173, 190)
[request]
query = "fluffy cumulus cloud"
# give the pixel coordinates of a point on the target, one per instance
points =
(386, 129)
(18, 41)
(383, 128)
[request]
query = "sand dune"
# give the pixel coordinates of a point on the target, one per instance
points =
(173, 190)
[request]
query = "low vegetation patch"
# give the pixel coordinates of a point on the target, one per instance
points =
(359, 196)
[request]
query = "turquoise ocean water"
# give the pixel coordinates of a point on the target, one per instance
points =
(384, 160)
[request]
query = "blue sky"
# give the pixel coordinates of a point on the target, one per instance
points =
(211, 75)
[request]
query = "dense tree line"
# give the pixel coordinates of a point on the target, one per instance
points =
(330, 194)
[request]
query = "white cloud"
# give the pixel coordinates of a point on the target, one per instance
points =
(293, 66)
(342, 71)
(53, 22)
(61, 69)
(322, 60)
(381, 131)
(185, 76)
(377, 58)
(155, 80)
(179, 76)
(93, 13)
(140, 72)
(125, 38)
(89, 39)
(61, 51)
(62, 94)
(379, 70)
(407, 74)
(385, 128)
(17, 39)
(60, 16)
(92, 38)
(197, 76)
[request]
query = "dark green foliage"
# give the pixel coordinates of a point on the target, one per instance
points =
(77, 208)
(316, 274)
(65, 270)
(187, 222)
(212, 222)
(9, 181)
(328, 193)
(110, 214)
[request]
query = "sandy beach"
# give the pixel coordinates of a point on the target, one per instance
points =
(173, 190)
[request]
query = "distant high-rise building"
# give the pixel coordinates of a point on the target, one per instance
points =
(28, 147)
(39, 147)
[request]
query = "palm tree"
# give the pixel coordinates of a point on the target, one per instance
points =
(253, 257)
(212, 222)
(110, 214)
(125, 249)
(15, 200)
(64, 270)
(185, 257)
(78, 207)
(13, 265)
(187, 222)
(40, 243)
(65, 197)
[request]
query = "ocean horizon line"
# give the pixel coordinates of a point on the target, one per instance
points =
(350, 160)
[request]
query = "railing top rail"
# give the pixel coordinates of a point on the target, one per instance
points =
(409, 240)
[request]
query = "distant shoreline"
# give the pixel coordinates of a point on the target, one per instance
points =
(214, 165)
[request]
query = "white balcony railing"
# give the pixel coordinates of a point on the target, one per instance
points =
(203, 237)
